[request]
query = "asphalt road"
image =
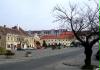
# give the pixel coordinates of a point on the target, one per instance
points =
(36, 63)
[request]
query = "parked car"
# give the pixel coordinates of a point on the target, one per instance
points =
(20, 49)
(97, 55)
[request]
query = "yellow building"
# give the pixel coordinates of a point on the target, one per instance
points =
(37, 41)
(15, 37)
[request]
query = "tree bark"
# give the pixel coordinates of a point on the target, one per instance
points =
(88, 54)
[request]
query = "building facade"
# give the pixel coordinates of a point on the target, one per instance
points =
(15, 37)
(47, 32)
(65, 38)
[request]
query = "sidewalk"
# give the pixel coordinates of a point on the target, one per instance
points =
(36, 54)
(66, 64)
(71, 64)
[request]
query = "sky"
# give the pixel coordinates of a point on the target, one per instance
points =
(32, 14)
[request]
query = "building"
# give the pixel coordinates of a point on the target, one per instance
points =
(47, 32)
(64, 38)
(15, 37)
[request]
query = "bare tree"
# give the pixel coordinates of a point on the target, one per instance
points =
(84, 23)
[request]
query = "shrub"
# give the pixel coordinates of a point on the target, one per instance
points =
(44, 44)
(9, 53)
(59, 47)
(2, 50)
(53, 47)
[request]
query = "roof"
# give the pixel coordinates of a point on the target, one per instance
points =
(67, 35)
(64, 35)
(49, 37)
(23, 32)
(39, 31)
(13, 30)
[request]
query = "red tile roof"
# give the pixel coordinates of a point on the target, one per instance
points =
(65, 35)
(49, 37)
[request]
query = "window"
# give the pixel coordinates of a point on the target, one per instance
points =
(18, 39)
(8, 46)
(0, 37)
(8, 38)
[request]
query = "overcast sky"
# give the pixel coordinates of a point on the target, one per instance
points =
(31, 14)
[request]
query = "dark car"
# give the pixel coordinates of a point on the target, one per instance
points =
(20, 49)
(97, 55)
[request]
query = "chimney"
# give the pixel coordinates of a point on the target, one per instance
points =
(17, 26)
(4, 26)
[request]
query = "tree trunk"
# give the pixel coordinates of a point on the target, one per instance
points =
(88, 53)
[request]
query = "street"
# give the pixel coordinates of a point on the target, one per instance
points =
(40, 62)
